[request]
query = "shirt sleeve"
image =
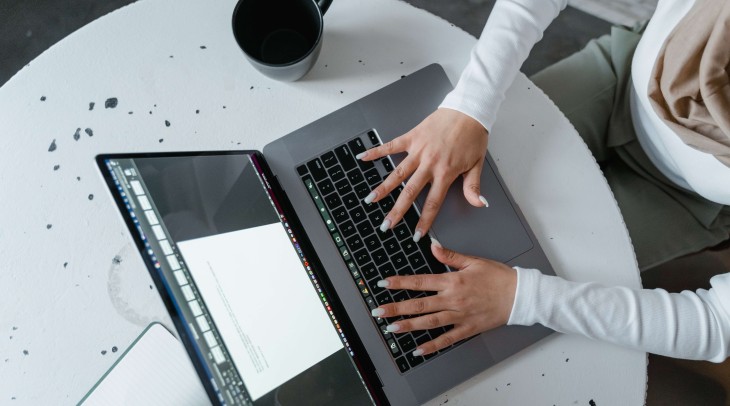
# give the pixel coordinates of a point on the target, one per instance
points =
(513, 28)
(689, 325)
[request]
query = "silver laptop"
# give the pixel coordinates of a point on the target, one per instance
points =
(268, 262)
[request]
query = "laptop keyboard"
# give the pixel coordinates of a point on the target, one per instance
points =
(337, 184)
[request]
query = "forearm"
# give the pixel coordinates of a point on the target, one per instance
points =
(681, 325)
(513, 28)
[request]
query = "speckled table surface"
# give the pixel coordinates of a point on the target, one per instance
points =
(164, 75)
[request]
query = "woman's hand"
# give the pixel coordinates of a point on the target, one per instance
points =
(446, 144)
(477, 297)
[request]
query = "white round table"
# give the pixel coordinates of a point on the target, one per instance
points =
(75, 293)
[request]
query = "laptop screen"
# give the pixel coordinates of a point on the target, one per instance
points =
(218, 239)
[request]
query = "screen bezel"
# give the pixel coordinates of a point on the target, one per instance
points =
(361, 359)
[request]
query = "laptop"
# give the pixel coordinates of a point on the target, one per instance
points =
(268, 261)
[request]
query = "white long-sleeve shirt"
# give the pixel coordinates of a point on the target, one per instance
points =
(692, 325)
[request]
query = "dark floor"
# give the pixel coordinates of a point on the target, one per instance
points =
(28, 27)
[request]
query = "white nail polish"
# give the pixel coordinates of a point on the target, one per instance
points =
(484, 200)
(435, 242)
(383, 284)
(417, 236)
(417, 353)
(392, 328)
(369, 198)
(385, 226)
(377, 312)
(361, 155)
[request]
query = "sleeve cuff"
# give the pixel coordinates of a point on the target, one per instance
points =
(523, 308)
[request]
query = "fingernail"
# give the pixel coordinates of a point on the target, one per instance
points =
(484, 200)
(392, 328)
(377, 312)
(361, 155)
(417, 236)
(435, 242)
(385, 226)
(418, 352)
(369, 198)
(383, 284)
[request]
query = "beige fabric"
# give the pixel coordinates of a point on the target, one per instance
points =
(690, 85)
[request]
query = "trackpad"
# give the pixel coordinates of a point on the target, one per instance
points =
(495, 232)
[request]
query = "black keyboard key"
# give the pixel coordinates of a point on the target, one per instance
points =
(376, 217)
(374, 288)
(433, 263)
(406, 271)
(386, 270)
(355, 243)
(358, 215)
(362, 190)
(371, 207)
(401, 231)
(326, 187)
(435, 332)
(386, 204)
(371, 242)
(402, 364)
(329, 159)
(384, 235)
(422, 337)
(332, 201)
(362, 257)
(413, 361)
(350, 201)
(365, 165)
(365, 229)
(406, 342)
(399, 260)
(317, 170)
(391, 246)
(373, 138)
(372, 177)
(302, 170)
(368, 271)
(347, 228)
(343, 187)
(355, 177)
(416, 260)
(380, 257)
(336, 173)
(387, 164)
(411, 218)
(396, 192)
(400, 296)
(383, 298)
(357, 146)
(409, 247)
(340, 215)
(345, 156)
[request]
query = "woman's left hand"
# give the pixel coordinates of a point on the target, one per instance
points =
(475, 298)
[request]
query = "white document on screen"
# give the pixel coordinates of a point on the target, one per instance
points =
(263, 303)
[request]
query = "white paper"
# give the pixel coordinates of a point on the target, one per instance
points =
(263, 303)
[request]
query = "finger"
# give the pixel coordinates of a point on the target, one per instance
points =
(425, 322)
(426, 282)
(446, 339)
(449, 257)
(394, 146)
(414, 306)
(472, 190)
(431, 206)
(393, 180)
(407, 196)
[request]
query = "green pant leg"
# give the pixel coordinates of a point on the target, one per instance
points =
(583, 87)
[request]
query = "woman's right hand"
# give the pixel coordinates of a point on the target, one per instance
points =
(446, 144)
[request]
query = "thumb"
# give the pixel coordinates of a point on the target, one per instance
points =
(449, 257)
(472, 191)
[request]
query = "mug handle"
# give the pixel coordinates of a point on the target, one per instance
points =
(324, 5)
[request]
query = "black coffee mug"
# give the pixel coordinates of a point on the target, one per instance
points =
(281, 38)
